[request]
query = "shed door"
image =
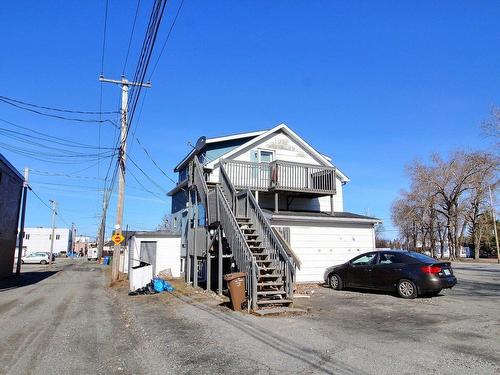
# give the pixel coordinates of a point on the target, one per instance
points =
(148, 253)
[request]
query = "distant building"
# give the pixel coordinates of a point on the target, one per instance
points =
(82, 244)
(39, 239)
(11, 184)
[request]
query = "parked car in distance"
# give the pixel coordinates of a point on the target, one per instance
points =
(408, 273)
(63, 254)
(39, 258)
(53, 255)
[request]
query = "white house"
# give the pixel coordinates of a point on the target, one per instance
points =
(39, 239)
(266, 203)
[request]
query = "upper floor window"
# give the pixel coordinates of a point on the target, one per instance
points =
(58, 236)
(26, 236)
(266, 156)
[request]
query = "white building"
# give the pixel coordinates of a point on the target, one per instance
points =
(39, 239)
(159, 248)
(298, 189)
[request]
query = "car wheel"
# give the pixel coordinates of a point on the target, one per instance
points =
(335, 282)
(43, 262)
(407, 289)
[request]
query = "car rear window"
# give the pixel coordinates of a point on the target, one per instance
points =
(422, 257)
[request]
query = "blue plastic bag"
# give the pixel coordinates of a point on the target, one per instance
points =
(167, 286)
(158, 285)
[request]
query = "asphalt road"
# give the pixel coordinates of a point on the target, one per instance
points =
(68, 321)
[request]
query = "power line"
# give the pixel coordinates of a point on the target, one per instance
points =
(56, 109)
(154, 162)
(131, 36)
(104, 36)
(167, 38)
(57, 116)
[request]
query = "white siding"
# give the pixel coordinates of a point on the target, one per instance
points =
(284, 148)
(319, 247)
(39, 239)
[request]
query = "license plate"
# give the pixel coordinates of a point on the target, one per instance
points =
(447, 272)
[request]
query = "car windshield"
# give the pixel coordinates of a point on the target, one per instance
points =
(422, 257)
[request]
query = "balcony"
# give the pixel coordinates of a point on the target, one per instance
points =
(281, 176)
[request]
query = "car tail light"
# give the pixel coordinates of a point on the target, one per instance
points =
(430, 269)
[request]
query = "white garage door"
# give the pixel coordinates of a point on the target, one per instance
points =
(319, 247)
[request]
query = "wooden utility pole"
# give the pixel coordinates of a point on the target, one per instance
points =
(494, 217)
(54, 213)
(121, 162)
(21, 226)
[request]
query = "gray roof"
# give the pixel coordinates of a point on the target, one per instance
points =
(326, 215)
(156, 233)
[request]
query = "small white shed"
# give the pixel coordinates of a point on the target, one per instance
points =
(161, 249)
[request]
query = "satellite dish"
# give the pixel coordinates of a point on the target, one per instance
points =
(200, 143)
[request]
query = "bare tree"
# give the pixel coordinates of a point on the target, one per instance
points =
(446, 198)
(491, 128)
(166, 223)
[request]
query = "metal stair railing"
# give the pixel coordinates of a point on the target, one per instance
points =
(248, 206)
(200, 184)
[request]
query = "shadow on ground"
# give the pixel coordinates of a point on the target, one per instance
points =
(25, 279)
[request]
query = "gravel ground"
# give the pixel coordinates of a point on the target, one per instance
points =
(71, 322)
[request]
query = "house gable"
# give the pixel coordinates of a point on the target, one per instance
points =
(285, 144)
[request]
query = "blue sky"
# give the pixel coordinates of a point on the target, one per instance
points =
(372, 84)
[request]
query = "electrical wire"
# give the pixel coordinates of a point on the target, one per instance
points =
(131, 36)
(166, 39)
(57, 116)
(56, 109)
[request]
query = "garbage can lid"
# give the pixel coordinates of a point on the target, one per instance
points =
(234, 275)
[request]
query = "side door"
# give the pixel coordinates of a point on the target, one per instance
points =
(388, 270)
(360, 270)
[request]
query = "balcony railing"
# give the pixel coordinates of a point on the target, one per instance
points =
(281, 176)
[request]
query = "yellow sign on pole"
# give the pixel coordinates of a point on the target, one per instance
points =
(117, 238)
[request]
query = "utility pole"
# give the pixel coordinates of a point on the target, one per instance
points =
(21, 227)
(54, 213)
(494, 217)
(121, 162)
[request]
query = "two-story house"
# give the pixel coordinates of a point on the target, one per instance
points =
(268, 204)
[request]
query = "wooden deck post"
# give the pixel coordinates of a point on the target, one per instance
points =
(209, 261)
(276, 202)
(195, 252)
(219, 271)
(189, 240)
(332, 212)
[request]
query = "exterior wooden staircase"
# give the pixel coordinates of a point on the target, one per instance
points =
(270, 279)
(270, 272)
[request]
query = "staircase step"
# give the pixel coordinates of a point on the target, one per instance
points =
(260, 255)
(243, 219)
(263, 260)
(274, 301)
(268, 268)
(270, 283)
(269, 276)
(270, 292)
(258, 250)
(255, 240)
(247, 230)
(249, 235)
